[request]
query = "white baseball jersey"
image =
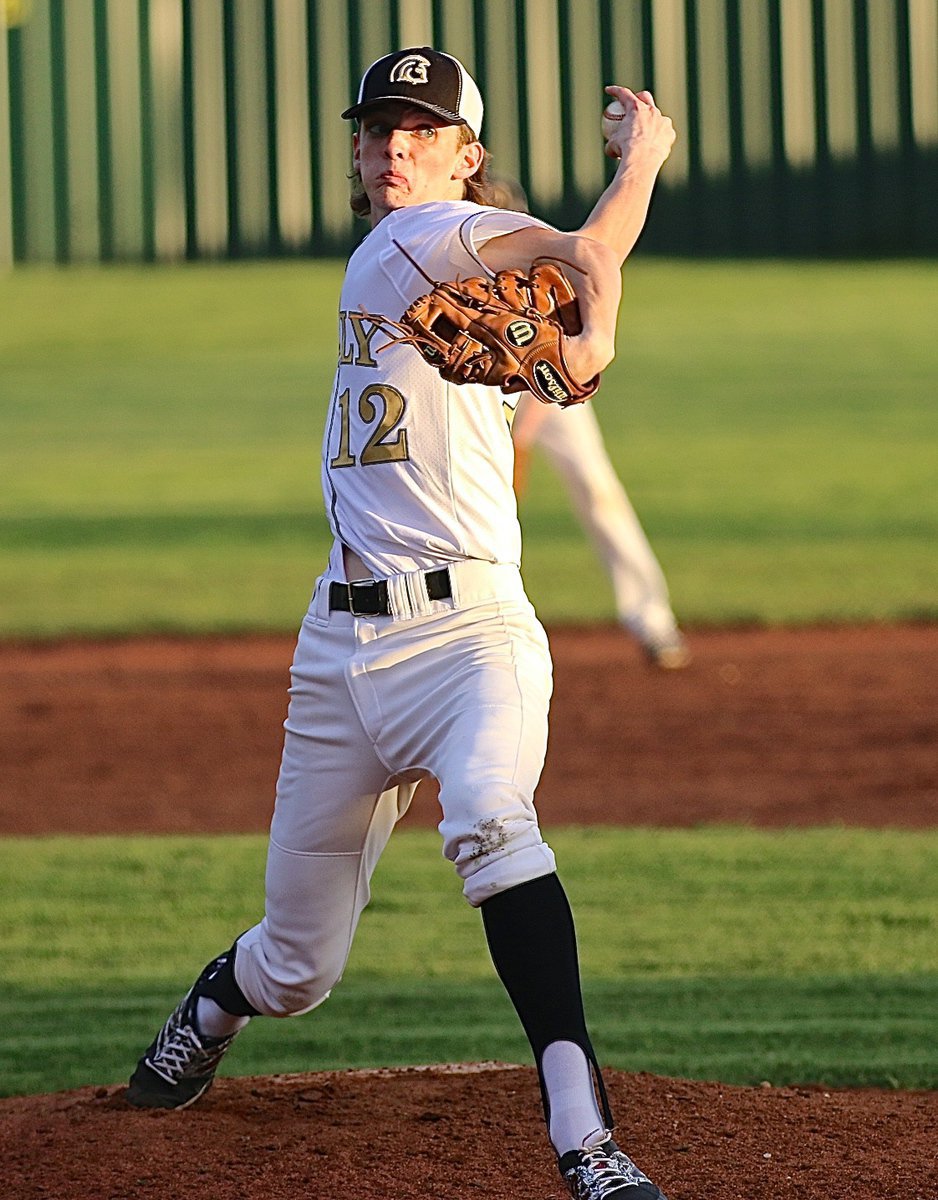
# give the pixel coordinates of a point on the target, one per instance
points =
(416, 472)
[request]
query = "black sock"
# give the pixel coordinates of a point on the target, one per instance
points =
(532, 941)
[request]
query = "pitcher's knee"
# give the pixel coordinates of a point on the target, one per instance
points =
(281, 984)
(288, 999)
(498, 852)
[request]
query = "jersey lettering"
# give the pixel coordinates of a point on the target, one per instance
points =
(356, 349)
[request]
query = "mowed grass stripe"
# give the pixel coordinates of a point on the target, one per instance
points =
(649, 903)
(839, 1031)
(738, 954)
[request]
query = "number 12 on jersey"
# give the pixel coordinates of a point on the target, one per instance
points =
(379, 405)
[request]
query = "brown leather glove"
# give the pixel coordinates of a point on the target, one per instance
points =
(507, 334)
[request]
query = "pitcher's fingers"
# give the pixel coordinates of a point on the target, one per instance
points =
(622, 94)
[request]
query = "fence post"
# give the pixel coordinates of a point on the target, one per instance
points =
(6, 182)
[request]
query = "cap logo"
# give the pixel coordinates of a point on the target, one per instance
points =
(412, 69)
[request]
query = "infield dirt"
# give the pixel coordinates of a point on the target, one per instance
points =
(767, 727)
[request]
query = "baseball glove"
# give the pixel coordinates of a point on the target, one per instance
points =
(507, 333)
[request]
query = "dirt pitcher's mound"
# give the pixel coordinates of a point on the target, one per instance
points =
(454, 1133)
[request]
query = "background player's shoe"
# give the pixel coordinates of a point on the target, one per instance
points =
(656, 631)
(667, 651)
(603, 1172)
(180, 1063)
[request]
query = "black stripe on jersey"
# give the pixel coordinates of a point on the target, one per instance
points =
(468, 247)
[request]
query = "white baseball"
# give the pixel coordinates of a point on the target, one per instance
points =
(613, 113)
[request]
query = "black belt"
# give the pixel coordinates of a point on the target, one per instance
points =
(369, 597)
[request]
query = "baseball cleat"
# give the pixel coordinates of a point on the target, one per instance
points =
(180, 1063)
(603, 1172)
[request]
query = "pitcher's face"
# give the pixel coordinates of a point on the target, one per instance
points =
(408, 156)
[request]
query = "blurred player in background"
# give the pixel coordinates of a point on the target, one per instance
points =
(573, 442)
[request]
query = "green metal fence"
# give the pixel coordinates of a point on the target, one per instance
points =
(166, 129)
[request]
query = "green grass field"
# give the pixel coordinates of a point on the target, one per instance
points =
(742, 956)
(775, 425)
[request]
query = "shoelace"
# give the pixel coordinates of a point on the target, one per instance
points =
(181, 1052)
(601, 1173)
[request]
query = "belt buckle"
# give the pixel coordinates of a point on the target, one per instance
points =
(369, 603)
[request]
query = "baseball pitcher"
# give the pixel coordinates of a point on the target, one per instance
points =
(420, 654)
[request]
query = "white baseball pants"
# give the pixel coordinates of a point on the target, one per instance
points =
(458, 689)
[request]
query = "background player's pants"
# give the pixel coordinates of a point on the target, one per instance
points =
(573, 442)
(458, 689)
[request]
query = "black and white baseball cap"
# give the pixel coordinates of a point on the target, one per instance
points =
(423, 78)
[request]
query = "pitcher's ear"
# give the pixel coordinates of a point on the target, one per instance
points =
(471, 158)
